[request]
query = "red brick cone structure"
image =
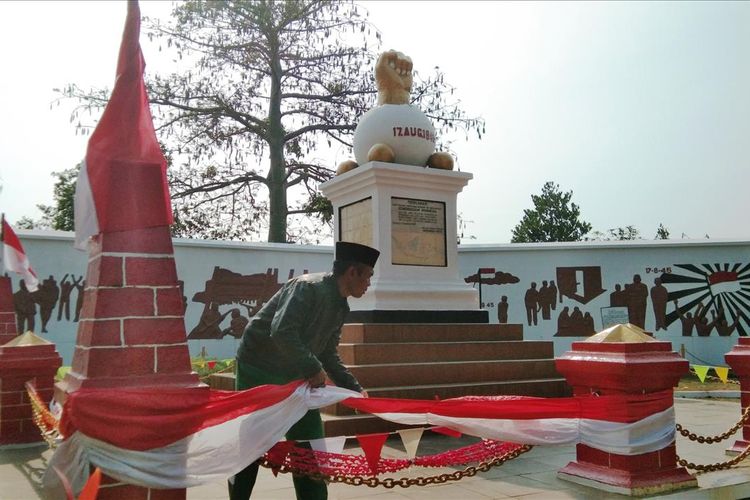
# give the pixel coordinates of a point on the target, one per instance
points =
(25, 358)
(8, 328)
(132, 329)
(738, 360)
(624, 360)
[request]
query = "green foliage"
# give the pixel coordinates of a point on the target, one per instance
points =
(553, 218)
(662, 233)
(262, 86)
(60, 216)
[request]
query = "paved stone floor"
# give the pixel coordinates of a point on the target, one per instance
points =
(530, 476)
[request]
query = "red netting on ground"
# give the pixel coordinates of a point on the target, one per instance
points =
(334, 464)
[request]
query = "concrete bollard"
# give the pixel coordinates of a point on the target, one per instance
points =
(738, 360)
(624, 360)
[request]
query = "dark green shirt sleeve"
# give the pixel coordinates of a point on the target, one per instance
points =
(335, 368)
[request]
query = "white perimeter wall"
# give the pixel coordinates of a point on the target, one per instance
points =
(52, 253)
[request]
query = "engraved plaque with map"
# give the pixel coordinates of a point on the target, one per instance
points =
(356, 222)
(418, 232)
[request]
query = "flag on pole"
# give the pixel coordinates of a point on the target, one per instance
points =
(122, 184)
(15, 258)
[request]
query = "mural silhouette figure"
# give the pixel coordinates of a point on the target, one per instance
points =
(80, 286)
(238, 323)
(702, 326)
(502, 310)
(575, 323)
(46, 297)
(66, 288)
(687, 320)
(588, 324)
(553, 295)
(659, 298)
(25, 308)
(208, 325)
(618, 297)
(545, 304)
(637, 296)
(227, 287)
(724, 329)
(531, 301)
(563, 323)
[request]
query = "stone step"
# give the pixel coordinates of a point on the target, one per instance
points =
(548, 388)
(422, 352)
(453, 372)
(353, 333)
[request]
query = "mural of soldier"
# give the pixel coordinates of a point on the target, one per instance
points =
(25, 308)
(659, 298)
(531, 301)
(637, 294)
(687, 320)
(66, 288)
(46, 297)
(502, 310)
(80, 286)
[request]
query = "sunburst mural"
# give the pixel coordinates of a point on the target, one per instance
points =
(722, 289)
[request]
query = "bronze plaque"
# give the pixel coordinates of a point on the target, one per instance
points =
(418, 232)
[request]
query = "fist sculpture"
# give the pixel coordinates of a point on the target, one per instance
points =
(395, 131)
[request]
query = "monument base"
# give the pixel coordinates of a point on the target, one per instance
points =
(382, 316)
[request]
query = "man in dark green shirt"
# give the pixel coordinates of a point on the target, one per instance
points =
(295, 336)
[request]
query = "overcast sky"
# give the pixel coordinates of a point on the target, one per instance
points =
(642, 109)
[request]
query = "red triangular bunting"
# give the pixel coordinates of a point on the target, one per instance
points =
(277, 455)
(372, 445)
(446, 431)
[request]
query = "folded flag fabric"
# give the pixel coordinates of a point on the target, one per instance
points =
(177, 438)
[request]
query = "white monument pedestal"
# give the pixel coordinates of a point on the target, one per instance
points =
(409, 214)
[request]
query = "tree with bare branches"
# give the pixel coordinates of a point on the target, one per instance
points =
(263, 87)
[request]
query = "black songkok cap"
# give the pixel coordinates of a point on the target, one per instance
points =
(354, 252)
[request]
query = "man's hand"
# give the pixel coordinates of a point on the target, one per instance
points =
(364, 393)
(317, 380)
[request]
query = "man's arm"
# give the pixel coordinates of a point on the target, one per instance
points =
(335, 368)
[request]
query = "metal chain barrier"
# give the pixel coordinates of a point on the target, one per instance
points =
(717, 466)
(403, 482)
(715, 439)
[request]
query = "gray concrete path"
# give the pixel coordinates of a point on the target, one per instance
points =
(530, 476)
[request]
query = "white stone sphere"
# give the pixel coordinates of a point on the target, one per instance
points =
(403, 127)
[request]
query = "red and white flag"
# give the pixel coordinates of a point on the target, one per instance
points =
(122, 184)
(15, 258)
(163, 437)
